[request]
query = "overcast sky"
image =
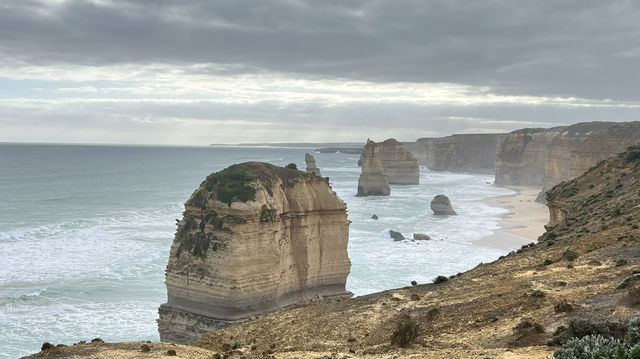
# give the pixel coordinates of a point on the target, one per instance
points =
(200, 72)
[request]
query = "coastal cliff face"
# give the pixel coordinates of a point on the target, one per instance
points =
(474, 153)
(254, 238)
(521, 158)
(372, 180)
(560, 152)
(398, 164)
(602, 145)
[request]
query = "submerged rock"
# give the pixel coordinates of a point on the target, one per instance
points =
(254, 238)
(420, 237)
(311, 165)
(397, 236)
(372, 180)
(374, 217)
(441, 206)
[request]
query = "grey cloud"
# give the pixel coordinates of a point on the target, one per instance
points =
(583, 48)
(206, 122)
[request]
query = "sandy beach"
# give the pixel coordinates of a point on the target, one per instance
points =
(523, 224)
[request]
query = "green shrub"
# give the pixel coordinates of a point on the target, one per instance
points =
(232, 184)
(632, 154)
(592, 346)
(620, 262)
(292, 166)
(634, 330)
(440, 279)
(538, 294)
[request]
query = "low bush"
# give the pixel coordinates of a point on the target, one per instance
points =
(440, 279)
(405, 333)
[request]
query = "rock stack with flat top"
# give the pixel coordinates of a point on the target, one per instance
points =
(400, 166)
(372, 181)
(254, 238)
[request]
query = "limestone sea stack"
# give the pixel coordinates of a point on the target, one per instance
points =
(372, 180)
(311, 165)
(441, 206)
(400, 166)
(254, 238)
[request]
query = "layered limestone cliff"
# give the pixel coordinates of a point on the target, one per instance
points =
(561, 151)
(254, 238)
(602, 145)
(311, 165)
(475, 153)
(521, 158)
(372, 180)
(399, 165)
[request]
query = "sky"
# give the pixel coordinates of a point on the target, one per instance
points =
(207, 71)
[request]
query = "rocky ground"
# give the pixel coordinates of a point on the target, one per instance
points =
(510, 308)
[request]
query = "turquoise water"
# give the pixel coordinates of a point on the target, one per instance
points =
(85, 233)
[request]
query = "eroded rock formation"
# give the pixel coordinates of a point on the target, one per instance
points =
(254, 238)
(441, 206)
(311, 165)
(399, 165)
(372, 180)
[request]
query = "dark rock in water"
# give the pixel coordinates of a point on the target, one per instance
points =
(421, 237)
(441, 206)
(374, 217)
(397, 236)
(413, 282)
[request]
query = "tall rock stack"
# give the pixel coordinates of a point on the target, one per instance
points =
(254, 238)
(400, 166)
(372, 181)
(311, 164)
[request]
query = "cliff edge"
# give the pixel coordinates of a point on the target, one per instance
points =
(254, 238)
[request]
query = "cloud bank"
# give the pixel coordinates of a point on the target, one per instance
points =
(198, 72)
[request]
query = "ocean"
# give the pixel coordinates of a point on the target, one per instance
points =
(85, 233)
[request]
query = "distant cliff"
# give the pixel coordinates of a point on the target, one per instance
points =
(546, 157)
(521, 157)
(475, 153)
(254, 238)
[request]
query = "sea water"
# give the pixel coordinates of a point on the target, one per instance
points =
(85, 233)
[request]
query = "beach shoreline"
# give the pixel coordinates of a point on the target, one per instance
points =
(524, 222)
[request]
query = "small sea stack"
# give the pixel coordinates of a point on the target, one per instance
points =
(311, 165)
(372, 181)
(254, 238)
(441, 206)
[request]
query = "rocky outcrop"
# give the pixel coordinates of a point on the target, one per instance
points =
(311, 165)
(474, 153)
(254, 238)
(421, 237)
(372, 180)
(522, 156)
(399, 165)
(397, 236)
(441, 206)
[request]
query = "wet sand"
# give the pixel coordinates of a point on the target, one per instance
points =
(523, 224)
